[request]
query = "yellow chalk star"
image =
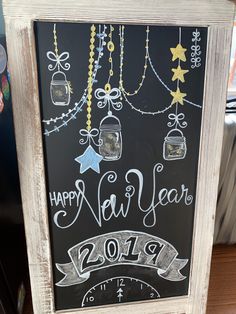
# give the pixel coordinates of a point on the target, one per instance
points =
(178, 97)
(179, 74)
(178, 53)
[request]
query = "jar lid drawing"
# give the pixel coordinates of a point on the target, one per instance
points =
(174, 146)
(110, 138)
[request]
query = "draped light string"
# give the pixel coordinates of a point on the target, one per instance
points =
(148, 63)
(110, 96)
(111, 48)
(164, 84)
(55, 40)
(70, 115)
(121, 83)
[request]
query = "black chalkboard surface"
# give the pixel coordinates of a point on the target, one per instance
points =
(121, 110)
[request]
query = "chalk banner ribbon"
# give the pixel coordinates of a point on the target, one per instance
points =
(121, 248)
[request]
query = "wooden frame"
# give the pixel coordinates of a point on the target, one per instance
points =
(19, 16)
(232, 89)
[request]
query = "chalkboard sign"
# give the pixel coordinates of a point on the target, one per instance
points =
(118, 113)
(121, 109)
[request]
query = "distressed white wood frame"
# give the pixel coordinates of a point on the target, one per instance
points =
(19, 17)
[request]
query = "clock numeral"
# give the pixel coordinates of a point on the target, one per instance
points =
(120, 282)
(89, 299)
(103, 287)
(152, 295)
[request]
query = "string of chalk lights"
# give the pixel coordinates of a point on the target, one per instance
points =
(71, 113)
(121, 82)
(147, 57)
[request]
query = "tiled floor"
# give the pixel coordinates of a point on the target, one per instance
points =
(222, 289)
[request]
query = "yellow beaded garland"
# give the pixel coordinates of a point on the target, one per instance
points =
(90, 76)
(110, 48)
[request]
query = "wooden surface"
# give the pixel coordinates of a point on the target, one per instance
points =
(184, 12)
(222, 288)
(19, 16)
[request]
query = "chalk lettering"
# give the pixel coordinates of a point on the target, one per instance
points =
(107, 250)
(110, 208)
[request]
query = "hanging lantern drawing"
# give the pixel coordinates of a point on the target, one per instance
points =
(174, 146)
(110, 138)
(60, 89)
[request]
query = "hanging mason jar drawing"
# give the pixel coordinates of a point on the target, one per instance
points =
(60, 89)
(110, 138)
(174, 146)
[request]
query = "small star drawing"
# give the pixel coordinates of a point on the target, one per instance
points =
(89, 160)
(178, 53)
(179, 74)
(178, 97)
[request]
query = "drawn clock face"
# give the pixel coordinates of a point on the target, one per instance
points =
(119, 290)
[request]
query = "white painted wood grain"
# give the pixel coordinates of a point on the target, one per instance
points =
(195, 12)
(22, 66)
(168, 306)
(214, 104)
